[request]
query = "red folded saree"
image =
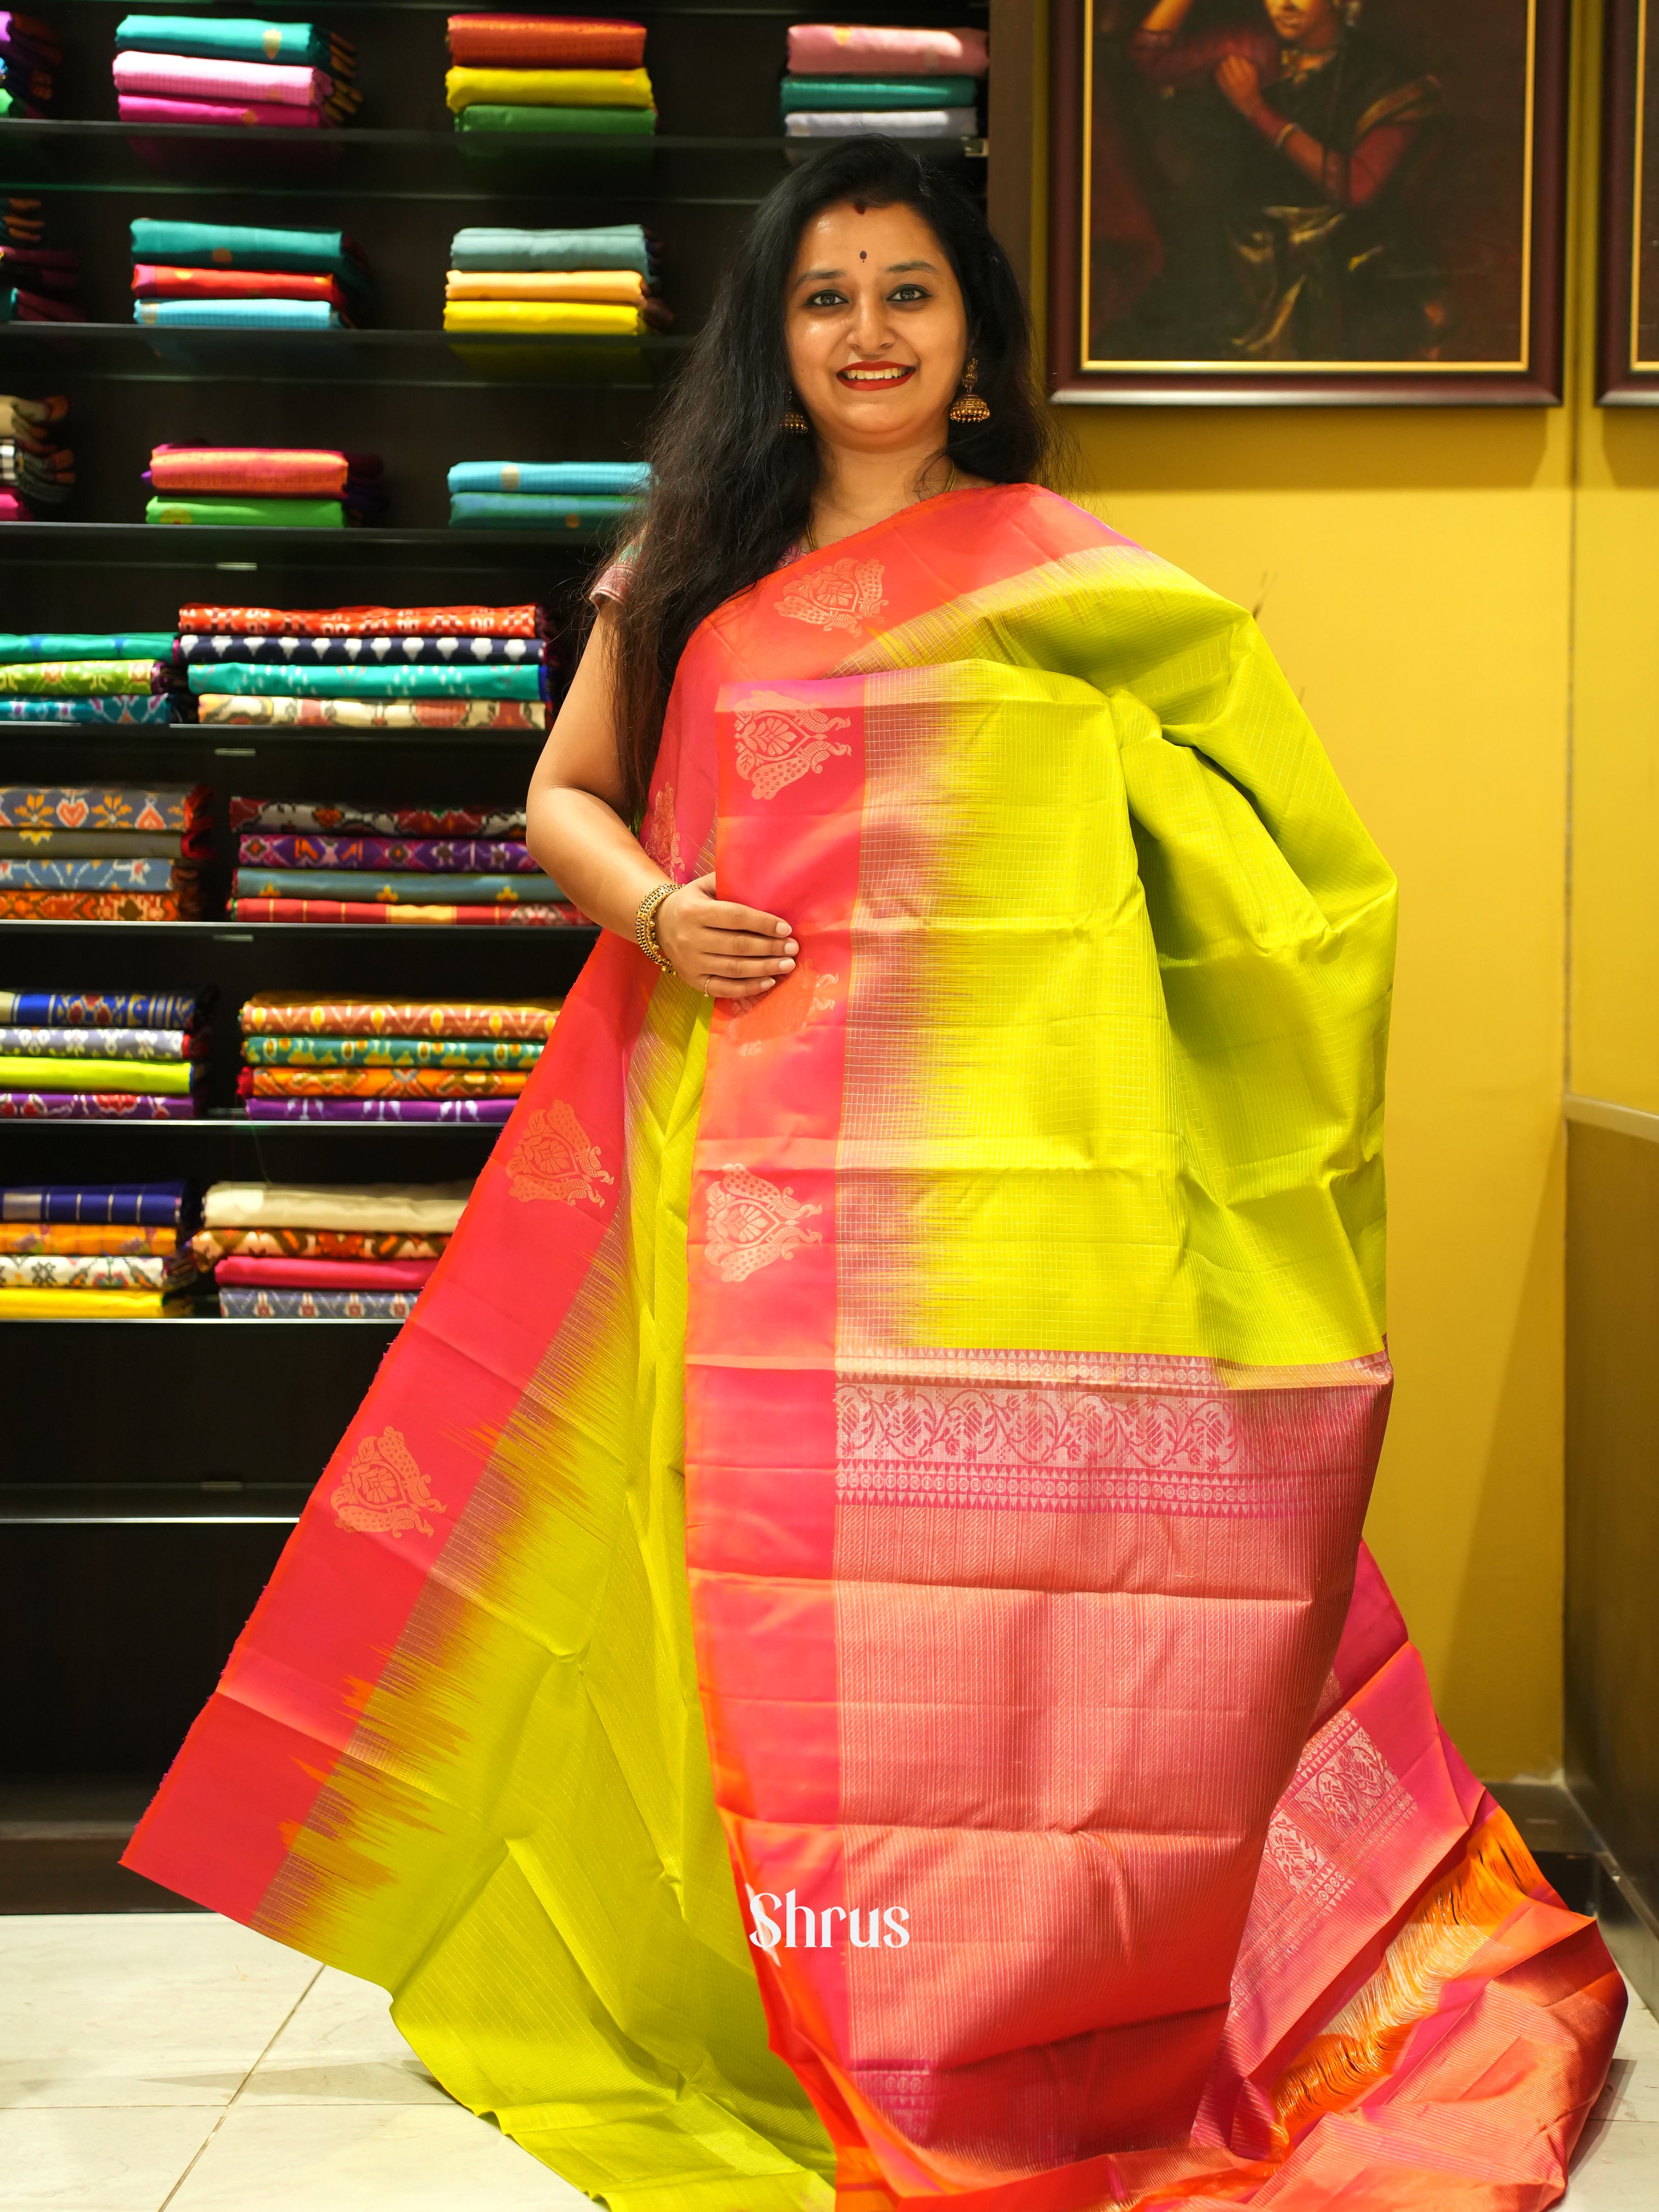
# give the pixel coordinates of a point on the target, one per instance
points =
(546, 42)
(994, 1771)
(295, 472)
(365, 622)
(150, 281)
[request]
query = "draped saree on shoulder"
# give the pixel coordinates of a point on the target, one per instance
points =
(1008, 1286)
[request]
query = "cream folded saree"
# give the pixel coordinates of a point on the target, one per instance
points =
(834, 1664)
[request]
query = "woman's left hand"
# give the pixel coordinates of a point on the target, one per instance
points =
(1239, 81)
(717, 947)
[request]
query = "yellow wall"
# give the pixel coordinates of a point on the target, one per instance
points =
(1414, 570)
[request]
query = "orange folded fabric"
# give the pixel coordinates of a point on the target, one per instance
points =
(546, 42)
(381, 1082)
(619, 287)
(247, 468)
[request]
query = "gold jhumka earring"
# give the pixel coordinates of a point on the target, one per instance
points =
(968, 407)
(794, 421)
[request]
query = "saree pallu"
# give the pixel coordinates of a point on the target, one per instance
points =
(379, 1083)
(489, 1112)
(106, 875)
(249, 513)
(139, 1205)
(92, 806)
(125, 1105)
(614, 479)
(290, 472)
(611, 245)
(68, 678)
(17, 1237)
(318, 1305)
(368, 622)
(189, 77)
(421, 681)
(42, 1071)
(559, 42)
(127, 708)
(285, 1014)
(104, 1042)
(259, 286)
(76, 644)
(414, 887)
(212, 1245)
(252, 1272)
(237, 245)
(427, 855)
(368, 652)
(307, 815)
(524, 916)
(63, 1271)
(373, 713)
(88, 1305)
(102, 1011)
(518, 1053)
(93, 906)
(1009, 1281)
(870, 49)
(548, 88)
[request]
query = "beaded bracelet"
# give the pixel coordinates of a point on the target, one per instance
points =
(645, 925)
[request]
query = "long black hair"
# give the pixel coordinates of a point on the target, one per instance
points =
(731, 488)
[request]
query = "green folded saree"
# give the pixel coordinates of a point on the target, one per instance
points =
(59, 679)
(559, 122)
(251, 514)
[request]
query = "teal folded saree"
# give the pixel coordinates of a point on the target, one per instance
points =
(260, 679)
(396, 887)
(525, 510)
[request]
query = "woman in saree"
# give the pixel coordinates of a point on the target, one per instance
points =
(836, 1664)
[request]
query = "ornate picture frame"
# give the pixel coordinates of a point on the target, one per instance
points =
(1627, 336)
(1311, 203)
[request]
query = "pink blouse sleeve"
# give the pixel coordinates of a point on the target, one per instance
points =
(611, 582)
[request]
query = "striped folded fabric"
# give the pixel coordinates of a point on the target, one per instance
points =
(559, 916)
(562, 42)
(611, 245)
(373, 713)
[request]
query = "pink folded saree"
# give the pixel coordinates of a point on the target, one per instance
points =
(294, 472)
(835, 1663)
(145, 108)
(256, 1273)
(876, 49)
(186, 77)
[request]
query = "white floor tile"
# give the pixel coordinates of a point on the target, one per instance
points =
(1619, 2172)
(339, 2047)
(137, 2008)
(1632, 2090)
(366, 2158)
(121, 2159)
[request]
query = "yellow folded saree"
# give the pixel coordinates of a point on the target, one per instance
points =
(58, 1072)
(574, 87)
(566, 318)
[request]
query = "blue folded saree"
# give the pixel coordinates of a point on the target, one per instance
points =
(238, 315)
(73, 645)
(615, 478)
(246, 679)
(156, 709)
(523, 510)
(230, 39)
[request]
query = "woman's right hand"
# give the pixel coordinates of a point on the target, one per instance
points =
(723, 950)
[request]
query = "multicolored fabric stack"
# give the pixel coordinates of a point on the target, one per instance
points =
(109, 854)
(361, 668)
(599, 282)
(233, 70)
(350, 1253)
(73, 1251)
(30, 57)
(38, 280)
(264, 487)
(300, 861)
(35, 470)
(101, 1055)
(567, 76)
(581, 496)
(214, 276)
(64, 676)
(355, 1060)
(847, 78)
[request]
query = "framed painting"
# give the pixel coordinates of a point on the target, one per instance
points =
(1313, 202)
(1627, 365)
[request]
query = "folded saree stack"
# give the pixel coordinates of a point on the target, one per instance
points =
(199, 275)
(383, 668)
(70, 676)
(101, 1055)
(307, 1059)
(37, 468)
(600, 282)
(299, 861)
(109, 854)
(558, 75)
(30, 57)
(37, 280)
(265, 487)
(582, 497)
(295, 1252)
(847, 78)
(233, 70)
(72, 1251)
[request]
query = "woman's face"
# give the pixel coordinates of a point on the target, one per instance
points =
(875, 327)
(1303, 23)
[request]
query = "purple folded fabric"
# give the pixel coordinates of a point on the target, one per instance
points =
(187, 76)
(99, 1106)
(490, 1110)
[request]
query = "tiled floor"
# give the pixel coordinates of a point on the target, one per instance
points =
(174, 2060)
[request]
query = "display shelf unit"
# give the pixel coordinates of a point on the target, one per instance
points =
(153, 1469)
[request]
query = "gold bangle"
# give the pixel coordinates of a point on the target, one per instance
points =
(1288, 132)
(645, 925)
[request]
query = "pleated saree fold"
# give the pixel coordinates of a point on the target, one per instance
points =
(830, 1666)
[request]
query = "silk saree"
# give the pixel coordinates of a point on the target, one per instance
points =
(834, 1665)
